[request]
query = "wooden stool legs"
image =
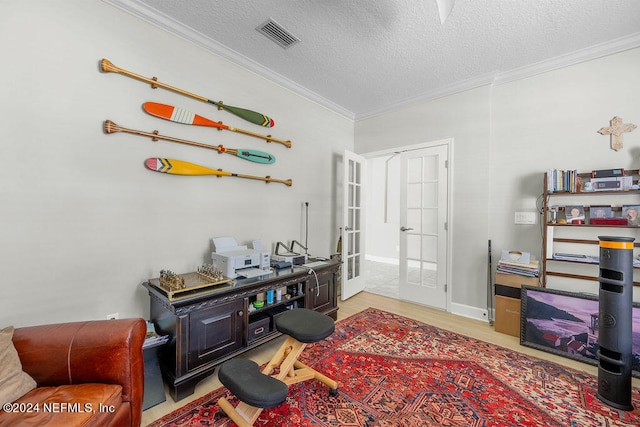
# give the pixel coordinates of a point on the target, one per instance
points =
(290, 371)
(244, 415)
(333, 386)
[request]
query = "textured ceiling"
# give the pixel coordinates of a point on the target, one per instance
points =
(361, 57)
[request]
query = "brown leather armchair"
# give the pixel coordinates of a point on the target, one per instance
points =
(88, 373)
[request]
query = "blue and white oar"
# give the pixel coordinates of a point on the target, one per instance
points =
(244, 153)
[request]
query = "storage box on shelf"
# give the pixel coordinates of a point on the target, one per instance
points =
(570, 250)
(259, 326)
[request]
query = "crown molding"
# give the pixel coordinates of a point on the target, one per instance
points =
(159, 19)
(498, 78)
(148, 14)
(441, 92)
(611, 47)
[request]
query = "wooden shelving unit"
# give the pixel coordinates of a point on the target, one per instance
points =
(583, 238)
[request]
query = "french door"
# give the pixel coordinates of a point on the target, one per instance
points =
(353, 225)
(423, 226)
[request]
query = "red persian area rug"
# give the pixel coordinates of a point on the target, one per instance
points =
(394, 371)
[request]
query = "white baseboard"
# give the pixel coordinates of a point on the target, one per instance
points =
(469, 311)
(385, 260)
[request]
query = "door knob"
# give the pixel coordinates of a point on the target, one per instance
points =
(403, 228)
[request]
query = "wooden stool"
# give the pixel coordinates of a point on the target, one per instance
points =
(258, 390)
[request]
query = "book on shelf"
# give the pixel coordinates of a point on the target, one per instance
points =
(612, 183)
(587, 259)
(607, 173)
(562, 181)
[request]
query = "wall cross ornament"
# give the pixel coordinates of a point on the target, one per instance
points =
(617, 128)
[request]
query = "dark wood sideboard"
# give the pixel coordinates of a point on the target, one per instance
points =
(214, 325)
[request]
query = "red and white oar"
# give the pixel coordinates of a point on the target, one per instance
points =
(180, 115)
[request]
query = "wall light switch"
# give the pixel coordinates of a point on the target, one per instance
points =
(527, 218)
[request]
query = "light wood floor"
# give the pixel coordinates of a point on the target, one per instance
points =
(462, 325)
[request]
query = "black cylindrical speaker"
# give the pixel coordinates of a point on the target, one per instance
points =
(615, 321)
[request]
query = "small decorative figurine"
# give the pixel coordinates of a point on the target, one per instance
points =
(171, 280)
(210, 272)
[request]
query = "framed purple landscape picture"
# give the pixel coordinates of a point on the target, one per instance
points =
(566, 324)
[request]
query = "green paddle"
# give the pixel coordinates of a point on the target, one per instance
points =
(248, 115)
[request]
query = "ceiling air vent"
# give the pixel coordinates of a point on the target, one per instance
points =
(277, 33)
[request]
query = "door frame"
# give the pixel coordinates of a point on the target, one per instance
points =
(449, 143)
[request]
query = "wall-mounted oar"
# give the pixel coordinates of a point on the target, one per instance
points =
(180, 115)
(180, 167)
(244, 153)
(248, 115)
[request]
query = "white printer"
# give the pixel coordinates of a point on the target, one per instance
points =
(237, 260)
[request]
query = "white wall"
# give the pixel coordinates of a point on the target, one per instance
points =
(83, 222)
(506, 136)
(465, 117)
(551, 121)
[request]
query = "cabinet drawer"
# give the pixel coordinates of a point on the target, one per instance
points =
(259, 326)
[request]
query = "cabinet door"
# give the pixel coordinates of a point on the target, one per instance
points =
(322, 292)
(214, 332)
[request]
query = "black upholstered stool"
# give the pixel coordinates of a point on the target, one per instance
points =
(260, 389)
(244, 379)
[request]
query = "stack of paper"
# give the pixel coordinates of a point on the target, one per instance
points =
(152, 336)
(515, 262)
